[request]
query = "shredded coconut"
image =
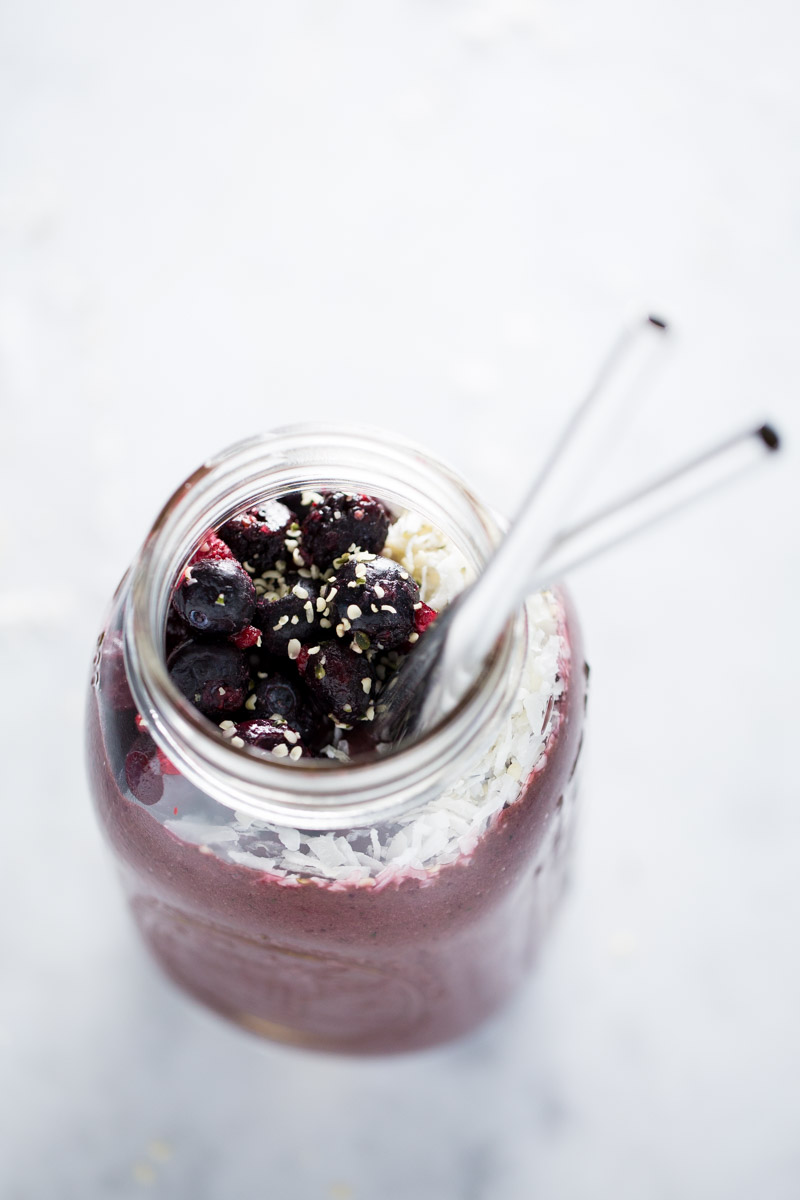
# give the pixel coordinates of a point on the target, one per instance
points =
(438, 567)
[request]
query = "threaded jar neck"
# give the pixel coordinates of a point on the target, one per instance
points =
(312, 793)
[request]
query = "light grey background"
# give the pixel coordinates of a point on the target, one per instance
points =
(430, 215)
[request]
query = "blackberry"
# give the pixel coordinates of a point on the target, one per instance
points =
(375, 597)
(257, 537)
(341, 521)
(213, 677)
(216, 596)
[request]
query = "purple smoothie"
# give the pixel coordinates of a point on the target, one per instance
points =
(366, 968)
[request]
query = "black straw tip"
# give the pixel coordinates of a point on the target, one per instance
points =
(769, 437)
(659, 322)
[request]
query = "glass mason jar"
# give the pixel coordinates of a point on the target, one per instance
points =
(382, 904)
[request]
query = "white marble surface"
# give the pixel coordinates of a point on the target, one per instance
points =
(429, 215)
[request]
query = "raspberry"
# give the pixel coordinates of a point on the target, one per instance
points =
(423, 617)
(167, 767)
(247, 638)
(211, 547)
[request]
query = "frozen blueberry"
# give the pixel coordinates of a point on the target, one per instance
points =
(177, 630)
(258, 537)
(276, 695)
(341, 521)
(143, 773)
(145, 767)
(362, 739)
(340, 681)
(294, 618)
(213, 677)
(273, 735)
(376, 598)
(301, 502)
(279, 695)
(216, 596)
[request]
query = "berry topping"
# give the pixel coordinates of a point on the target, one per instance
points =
(177, 630)
(339, 680)
(216, 596)
(287, 616)
(257, 537)
(247, 638)
(376, 598)
(211, 547)
(301, 502)
(145, 765)
(288, 622)
(339, 522)
(424, 616)
(278, 695)
(362, 740)
(167, 766)
(213, 678)
(275, 736)
(143, 773)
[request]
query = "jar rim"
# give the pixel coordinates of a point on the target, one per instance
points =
(311, 794)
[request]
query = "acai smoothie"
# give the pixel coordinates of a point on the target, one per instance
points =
(286, 867)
